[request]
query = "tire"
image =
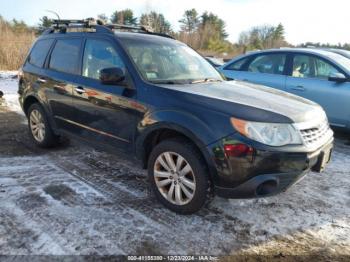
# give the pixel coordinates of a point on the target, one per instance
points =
(37, 118)
(182, 178)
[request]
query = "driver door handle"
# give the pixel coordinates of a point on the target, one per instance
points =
(79, 90)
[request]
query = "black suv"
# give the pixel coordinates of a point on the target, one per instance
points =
(157, 99)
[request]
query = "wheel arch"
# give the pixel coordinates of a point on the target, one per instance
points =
(32, 99)
(28, 101)
(158, 132)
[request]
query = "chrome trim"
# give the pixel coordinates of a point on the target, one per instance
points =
(337, 125)
(41, 80)
(92, 129)
(314, 134)
(79, 90)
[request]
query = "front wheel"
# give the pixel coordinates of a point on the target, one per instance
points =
(178, 176)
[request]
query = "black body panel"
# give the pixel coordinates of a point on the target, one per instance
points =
(125, 116)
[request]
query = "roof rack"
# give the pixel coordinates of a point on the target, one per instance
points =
(61, 25)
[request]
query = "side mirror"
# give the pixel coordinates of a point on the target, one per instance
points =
(112, 76)
(337, 77)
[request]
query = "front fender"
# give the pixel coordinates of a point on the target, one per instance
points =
(190, 126)
(183, 122)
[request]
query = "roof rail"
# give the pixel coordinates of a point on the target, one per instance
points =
(62, 25)
(68, 22)
(139, 28)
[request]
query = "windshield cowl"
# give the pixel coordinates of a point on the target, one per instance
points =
(185, 81)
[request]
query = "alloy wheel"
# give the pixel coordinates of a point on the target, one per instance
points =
(37, 125)
(174, 178)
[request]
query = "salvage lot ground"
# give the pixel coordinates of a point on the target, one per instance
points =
(78, 201)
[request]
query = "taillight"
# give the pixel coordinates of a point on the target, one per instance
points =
(238, 150)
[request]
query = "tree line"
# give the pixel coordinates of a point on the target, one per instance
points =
(205, 32)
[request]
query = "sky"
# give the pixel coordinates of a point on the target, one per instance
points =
(304, 20)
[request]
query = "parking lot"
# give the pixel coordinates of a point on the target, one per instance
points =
(77, 200)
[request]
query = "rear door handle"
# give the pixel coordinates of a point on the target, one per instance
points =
(41, 80)
(80, 90)
(298, 88)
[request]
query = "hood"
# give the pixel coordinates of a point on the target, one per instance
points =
(249, 101)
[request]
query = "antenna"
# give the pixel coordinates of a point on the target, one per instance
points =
(53, 12)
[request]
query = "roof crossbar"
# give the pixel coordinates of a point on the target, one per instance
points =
(63, 24)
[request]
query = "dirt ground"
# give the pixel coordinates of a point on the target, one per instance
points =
(75, 200)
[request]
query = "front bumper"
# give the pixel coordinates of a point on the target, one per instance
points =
(263, 173)
(261, 186)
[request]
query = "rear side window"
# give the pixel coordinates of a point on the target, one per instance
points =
(39, 52)
(65, 56)
(268, 64)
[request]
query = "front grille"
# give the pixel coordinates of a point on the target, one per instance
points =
(316, 135)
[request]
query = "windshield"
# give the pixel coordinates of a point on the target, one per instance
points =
(169, 62)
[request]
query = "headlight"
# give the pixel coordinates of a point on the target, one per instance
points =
(272, 134)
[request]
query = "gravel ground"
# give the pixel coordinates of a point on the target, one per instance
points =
(74, 200)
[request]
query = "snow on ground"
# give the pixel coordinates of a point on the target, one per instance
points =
(76, 200)
(9, 86)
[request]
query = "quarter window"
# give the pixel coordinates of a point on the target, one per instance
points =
(65, 56)
(236, 66)
(39, 52)
(99, 54)
(268, 64)
(305, 66)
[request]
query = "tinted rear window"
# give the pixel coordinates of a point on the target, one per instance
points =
(39, 52)
(65, 56)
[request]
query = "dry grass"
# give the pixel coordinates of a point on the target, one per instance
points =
(14, 46)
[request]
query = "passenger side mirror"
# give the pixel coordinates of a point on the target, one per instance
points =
(112, 76)
(337, 77)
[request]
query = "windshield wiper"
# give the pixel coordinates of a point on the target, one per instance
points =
(205, 80)
(165, 82)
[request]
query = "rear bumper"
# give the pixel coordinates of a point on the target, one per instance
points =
(264, 173)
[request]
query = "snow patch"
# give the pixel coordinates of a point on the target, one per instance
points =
(9, 86)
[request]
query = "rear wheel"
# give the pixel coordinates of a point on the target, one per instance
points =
(40, 128)
(178, 176)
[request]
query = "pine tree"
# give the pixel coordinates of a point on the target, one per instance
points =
(45, 22)
(190, 21)
(279, 32)
(156, 22)
(125, 17)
